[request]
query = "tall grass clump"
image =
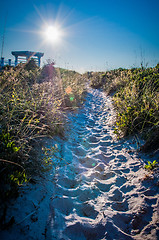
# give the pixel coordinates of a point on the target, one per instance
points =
(32, 105)
(136, 100)
(137, 105)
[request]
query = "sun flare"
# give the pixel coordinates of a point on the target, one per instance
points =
(52, 34)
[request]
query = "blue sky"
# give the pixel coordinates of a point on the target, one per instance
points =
(97, 35)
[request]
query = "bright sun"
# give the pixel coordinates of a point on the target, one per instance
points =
(52, 34)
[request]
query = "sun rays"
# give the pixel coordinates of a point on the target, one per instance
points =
(52, 34)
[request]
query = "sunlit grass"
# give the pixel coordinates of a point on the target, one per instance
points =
(32, 106)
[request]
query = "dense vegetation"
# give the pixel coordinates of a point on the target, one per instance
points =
(33, 102)
(136, 99)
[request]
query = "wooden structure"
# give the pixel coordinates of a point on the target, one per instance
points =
(25, 56)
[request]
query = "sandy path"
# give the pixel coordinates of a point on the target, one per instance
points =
(97, 193)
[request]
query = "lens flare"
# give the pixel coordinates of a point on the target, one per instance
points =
(71, 99)
(68, 90)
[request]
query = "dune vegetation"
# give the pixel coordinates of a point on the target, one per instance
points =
(33, 103)
(66, 158)
(136, 100)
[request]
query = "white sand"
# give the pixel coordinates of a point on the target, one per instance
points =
(97, 193)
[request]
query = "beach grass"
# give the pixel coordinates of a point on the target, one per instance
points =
(33, 103)
(136, 100)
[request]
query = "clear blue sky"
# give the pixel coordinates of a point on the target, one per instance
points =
(98, 35)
